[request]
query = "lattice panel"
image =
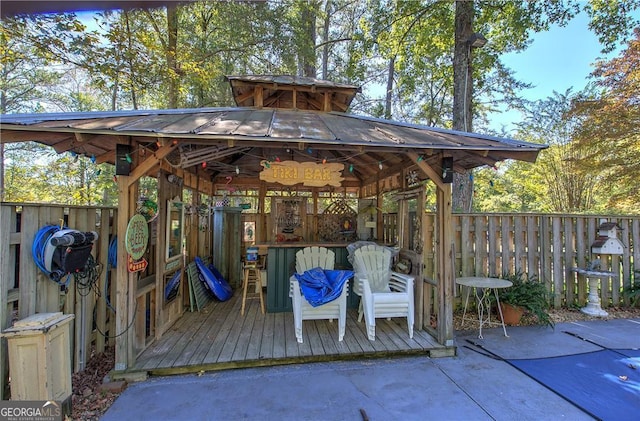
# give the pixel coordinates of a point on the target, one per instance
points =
(338, 223)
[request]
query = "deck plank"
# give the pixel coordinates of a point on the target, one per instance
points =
(213, 324)
(219, 338)
(279, 340)
(242, 344)
(190, 331)
(255, 341)
(292, 347)
(266, 347)
(222, 336)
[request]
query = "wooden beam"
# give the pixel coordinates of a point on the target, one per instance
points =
(8, 136)
(482, 156)
(445, 258)
(109, 157)
(258, 100)
(83, 137)
(123, 323)
(427, 169)
(151, 162)
(242, 98)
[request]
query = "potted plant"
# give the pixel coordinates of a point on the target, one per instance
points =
(528, 295)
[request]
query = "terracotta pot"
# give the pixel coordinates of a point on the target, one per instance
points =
(511, 314)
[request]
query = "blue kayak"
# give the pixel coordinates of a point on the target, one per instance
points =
(171, 289)
(214, 281)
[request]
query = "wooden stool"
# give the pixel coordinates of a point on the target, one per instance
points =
(252, 278)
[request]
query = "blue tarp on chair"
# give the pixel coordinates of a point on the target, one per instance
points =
(320, 286)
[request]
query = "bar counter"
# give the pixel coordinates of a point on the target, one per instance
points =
(281, 265)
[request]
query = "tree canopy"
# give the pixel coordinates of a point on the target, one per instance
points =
(401, 53)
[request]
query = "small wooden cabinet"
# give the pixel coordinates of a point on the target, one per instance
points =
(40, 358)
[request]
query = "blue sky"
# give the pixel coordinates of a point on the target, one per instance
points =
(558, 59)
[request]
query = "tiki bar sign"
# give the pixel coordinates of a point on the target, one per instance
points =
(309, 174)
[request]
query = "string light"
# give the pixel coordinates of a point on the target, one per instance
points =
(93, 159)
(98, 171)
(420, 158)
(267, 164)
(309, 150)
(128, 158)
(350, 167)
(277, 158)
(115, 178)
(204, 164)
(324, 161)
(380, 165)
(237, 170)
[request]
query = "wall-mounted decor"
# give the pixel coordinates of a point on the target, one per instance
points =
(310, 174)
(338, 223)
(289, 218)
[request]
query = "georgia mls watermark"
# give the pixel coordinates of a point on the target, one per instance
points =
(30, 411)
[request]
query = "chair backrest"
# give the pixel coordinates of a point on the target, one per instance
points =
(373, 262)
(313, 257)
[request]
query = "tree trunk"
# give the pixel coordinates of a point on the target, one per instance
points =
(325, 40)
(132, 73)
(307, 55)
(391, 73)
(172, 59)
(462, 95)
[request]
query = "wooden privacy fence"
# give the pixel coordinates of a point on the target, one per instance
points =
(26, 290)
(545, 246)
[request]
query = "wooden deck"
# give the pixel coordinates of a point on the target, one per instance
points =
(218, 338)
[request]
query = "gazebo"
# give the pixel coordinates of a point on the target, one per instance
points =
(287, 133)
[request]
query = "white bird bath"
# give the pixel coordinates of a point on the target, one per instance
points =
(593, 307)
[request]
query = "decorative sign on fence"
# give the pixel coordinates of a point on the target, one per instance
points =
(309, 174)
(136, 266)
(137, 236)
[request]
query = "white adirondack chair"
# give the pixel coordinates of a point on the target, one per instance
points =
(383, 293)
(309, 258)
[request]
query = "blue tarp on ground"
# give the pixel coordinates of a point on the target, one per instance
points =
(320, 286)
(604, 383)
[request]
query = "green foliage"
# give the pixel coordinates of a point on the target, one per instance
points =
(632, 292)
(529, 294)
(608, 136)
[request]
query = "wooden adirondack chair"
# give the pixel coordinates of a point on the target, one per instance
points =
(309, 258)
(383, 293)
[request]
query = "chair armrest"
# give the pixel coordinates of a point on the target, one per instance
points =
(401, 282)
(294, 287)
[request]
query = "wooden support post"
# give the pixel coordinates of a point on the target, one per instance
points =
(124, 346)
(262, 233)
(418, 285)
(6, 265)
(446, 281)
(101, 311)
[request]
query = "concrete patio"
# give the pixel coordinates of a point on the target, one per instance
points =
(470, 386)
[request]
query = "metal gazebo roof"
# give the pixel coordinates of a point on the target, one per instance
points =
(226, 138)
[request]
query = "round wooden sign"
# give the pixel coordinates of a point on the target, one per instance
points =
(137, 236)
